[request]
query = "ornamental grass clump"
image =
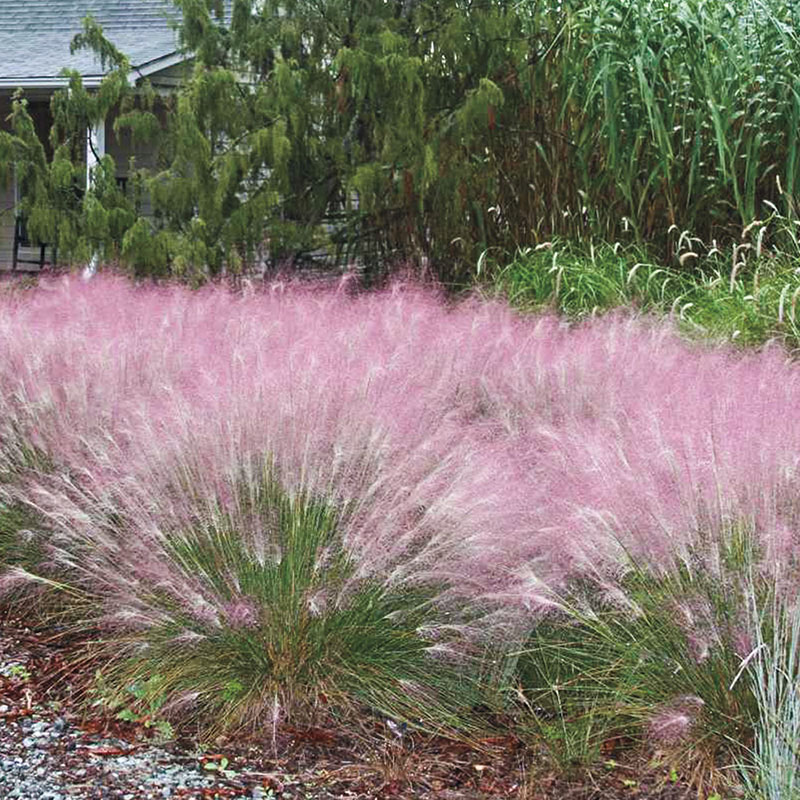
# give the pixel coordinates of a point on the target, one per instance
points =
(301, 498)
(746, 293)
(771, 770)
(655, 658)
(244, 606)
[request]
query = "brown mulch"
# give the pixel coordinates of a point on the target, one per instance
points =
(313, 763)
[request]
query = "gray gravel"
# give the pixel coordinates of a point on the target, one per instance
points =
(46, 756)
(46, 759)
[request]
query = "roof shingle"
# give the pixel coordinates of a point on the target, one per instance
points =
(35, 35)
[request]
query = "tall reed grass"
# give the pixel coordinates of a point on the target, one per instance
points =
(302, 498)
(637, 117)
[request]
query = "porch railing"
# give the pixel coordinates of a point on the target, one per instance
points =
(23, 242)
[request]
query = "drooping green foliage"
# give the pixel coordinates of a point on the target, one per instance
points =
(374, 108)
(52, 185)
(388, 131)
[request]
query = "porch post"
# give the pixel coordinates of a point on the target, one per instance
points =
(95, 150)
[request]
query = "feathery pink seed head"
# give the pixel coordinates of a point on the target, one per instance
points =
(464, 443)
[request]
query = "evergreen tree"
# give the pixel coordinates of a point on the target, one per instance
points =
(360, 126)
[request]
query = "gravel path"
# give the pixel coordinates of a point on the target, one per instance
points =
(46, 754)
(46, 758)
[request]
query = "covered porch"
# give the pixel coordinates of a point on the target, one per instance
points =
(19, 251)
(36, 45)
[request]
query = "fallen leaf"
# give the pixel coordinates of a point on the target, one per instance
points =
(107, 751)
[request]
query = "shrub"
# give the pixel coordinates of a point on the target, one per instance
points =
(504, 125)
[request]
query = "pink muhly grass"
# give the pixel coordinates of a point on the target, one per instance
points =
(675, 722)
(489, 454)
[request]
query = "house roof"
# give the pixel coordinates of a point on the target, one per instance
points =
(35, 36)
